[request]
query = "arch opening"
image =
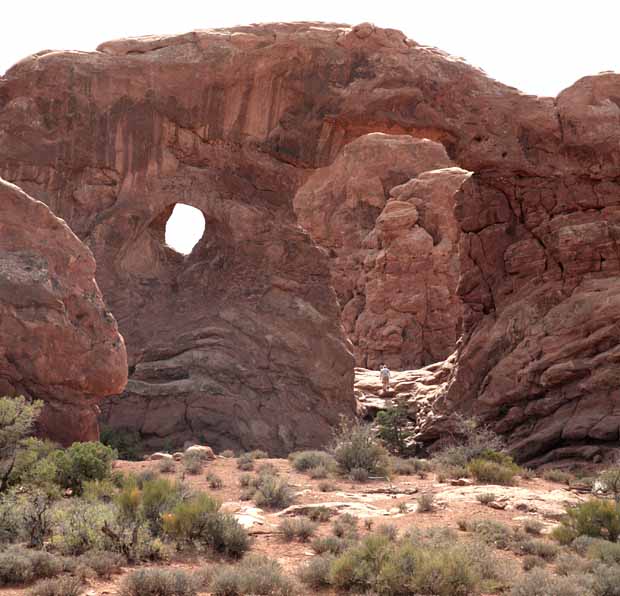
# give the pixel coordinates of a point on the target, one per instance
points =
(185, 228)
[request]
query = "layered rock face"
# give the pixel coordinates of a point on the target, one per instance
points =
(235, 122)
(393, 246)
(58, 342)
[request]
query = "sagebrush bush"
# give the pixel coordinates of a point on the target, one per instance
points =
(215, 482)
(304, 461)
(541, 583)
(245, 462)
(596, 518)
(103, 563)
(318, 472)
(267, 469)
(345, 526)
(257, 575)
(273, 492)
(486, 498)
(492, 532)
(198, 520)
(567, 563)
(426, 503)
(355, 446)
(326, 486)
(532, 561)
(77, 526)
(540, 548)
(319, 514)
(158, 582)
(604, 551)
(228, 453)
(554, 475)
(606, 580)
(328, 544)
(167, 466)
(492, 472)
(358, 475)
(19, 565)
(533, 526)
(315, 573)
(300, 528)
(60, 586)
(193, 463)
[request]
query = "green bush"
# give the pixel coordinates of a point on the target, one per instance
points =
(158, 582)
(304, 461)
(199, 521)
(300, 528)
(426, 503)
(215, 482)
(125, 441)
(315, 573)
(393, 428)
(540, 583)
(329, 544)
(103, 563)
(596, 518)
(193, 463)
(77, 526)
(82, 462)
(486, 498)
(492, 472)
(33, 465)
(245, 462)
(553, 475)
(541, 548)
(256, 575)
(492, 532)
(358, 475)
(355, 446)
(273, 492)
(320, 513)
(345, 526)
(60, 586)
(159, 496)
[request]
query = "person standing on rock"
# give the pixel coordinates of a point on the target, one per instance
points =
(385, 377)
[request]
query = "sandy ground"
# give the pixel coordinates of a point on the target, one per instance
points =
(378, 500)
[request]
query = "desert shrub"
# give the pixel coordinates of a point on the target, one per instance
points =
(33, 466)
(606, 580)
(533, 526)
(273, 492)
(318, 472)
(215, 482)
(300, 528)
(402, 467)
(245, 462)
(76, 526)
(228, 453)
(103, 563)
(470, 441)
(426, 502)
(563, 535)
(391, 569)
(125, 441)
(82, 462)
(315, 573)
(246, 480)
(17, 417)
(326, 486)
(60, 586)
(157, 497)
(581, 544)
(596, 518)
(257, 575)
(540, 548)
(604, 551)
(393, 428)
(389, 530)
(303, 461)
(166, 466)
(492, 532)
(199, 521)
(567, 563)
(355, 446)
(609, 480)
(193, 463)
(486, 498)
(328, 544)
(99, 490)
(158, 582)
(358, 475)
(319, 514)
(258, 454)
(540, 583)
(267, 468)
(345, 526)
(20, 565)
(11, 525)
(491, 471)
(554, 475)
(531, 561)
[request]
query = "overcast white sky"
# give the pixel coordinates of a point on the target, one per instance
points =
(539, 46)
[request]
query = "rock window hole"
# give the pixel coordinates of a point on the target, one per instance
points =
(184, 228)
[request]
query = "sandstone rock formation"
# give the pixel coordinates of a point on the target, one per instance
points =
(243, 331)
(394, 246)
(58, 342)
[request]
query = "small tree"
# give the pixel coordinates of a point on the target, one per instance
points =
(392, 428)
(17, 417)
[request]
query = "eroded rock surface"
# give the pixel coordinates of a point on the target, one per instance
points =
(384, 211)
(58, 341)
(244, 331)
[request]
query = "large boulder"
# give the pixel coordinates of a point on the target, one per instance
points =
(58, 341)
(384, 211)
